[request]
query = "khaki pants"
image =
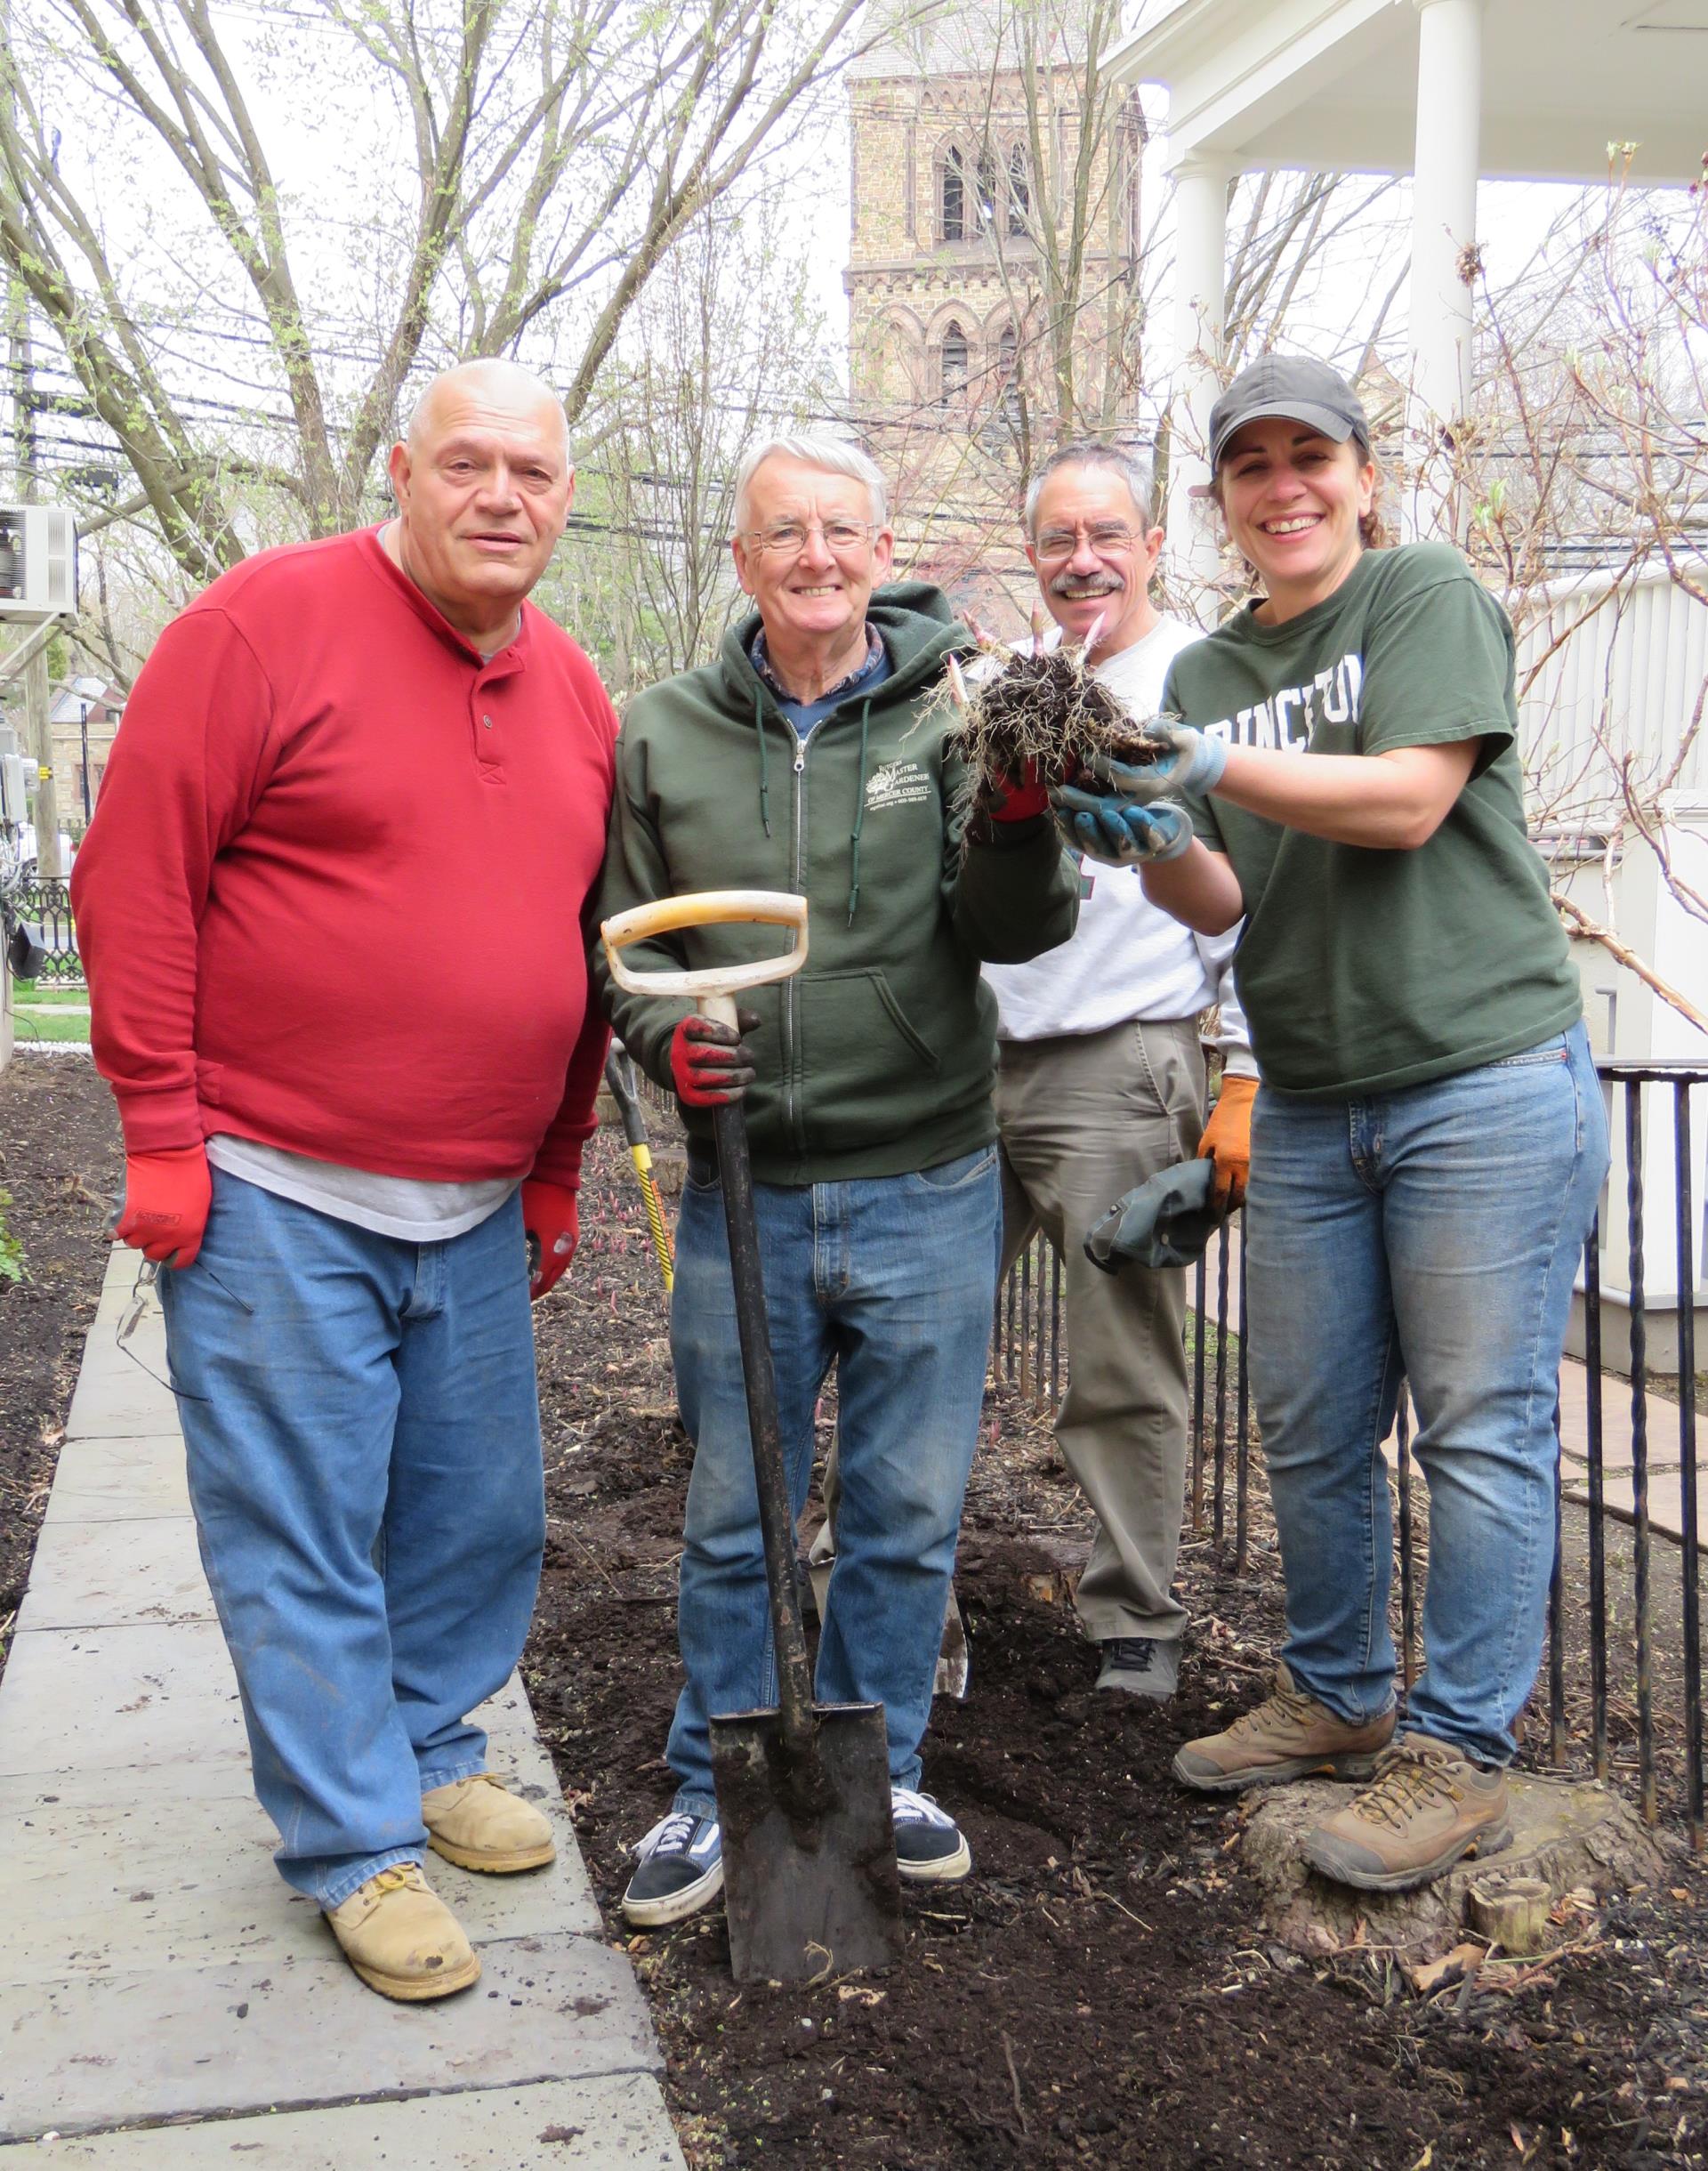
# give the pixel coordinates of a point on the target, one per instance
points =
(1082, 1119)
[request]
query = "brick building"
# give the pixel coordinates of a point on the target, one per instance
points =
(991, 278)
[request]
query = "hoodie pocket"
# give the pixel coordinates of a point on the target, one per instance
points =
(860, 1053)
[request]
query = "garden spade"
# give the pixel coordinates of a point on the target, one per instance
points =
(810, 1876)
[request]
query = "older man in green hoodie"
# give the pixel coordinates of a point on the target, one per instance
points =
(811, 757)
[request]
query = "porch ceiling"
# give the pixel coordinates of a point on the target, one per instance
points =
(1331, 84)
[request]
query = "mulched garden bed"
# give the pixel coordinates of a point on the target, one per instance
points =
(60, 1161)
(1101, 1992)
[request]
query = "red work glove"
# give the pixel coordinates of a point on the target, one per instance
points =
(1007, 800)
(550, 1219)
(166, 1198)
(710, 1063)
(1228, 1140)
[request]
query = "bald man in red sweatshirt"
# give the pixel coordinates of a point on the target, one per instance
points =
(331, 910)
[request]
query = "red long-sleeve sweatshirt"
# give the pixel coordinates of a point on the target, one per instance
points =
(332, 896)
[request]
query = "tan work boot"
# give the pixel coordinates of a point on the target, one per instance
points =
(1289, 1735)
(478, 1824)
(1429, 1807)
(401, 1938)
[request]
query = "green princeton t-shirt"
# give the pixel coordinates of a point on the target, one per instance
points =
(1362, 971)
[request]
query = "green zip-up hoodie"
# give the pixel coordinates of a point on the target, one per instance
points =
(878, 1057)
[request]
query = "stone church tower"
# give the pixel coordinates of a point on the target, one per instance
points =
(991, 276)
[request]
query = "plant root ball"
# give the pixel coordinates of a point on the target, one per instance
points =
(1047, 709)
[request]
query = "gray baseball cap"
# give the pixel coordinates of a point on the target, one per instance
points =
(1292, 386)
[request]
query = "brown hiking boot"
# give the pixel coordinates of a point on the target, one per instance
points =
(478, 1824)
(1289, 1735)
(401, 1938)
(1429, 1807)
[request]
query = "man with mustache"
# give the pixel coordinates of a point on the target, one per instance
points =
(344, 1108)
(1100, 1086)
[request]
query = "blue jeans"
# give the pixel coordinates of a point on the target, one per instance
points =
(1432, 1236)
(895, 1279)
(364, 1448)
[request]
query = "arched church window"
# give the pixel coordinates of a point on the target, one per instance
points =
(953, 363)
(1019, 191)
(987, 184)
(1008, 377)
(951, 197)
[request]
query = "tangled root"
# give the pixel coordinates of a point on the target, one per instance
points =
(1047, 709)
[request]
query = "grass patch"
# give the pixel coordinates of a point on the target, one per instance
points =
(38, 993)
(48, 1025)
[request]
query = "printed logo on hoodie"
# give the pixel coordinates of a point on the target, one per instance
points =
(897, 784)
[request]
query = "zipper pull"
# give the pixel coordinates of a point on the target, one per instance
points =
(799, 756)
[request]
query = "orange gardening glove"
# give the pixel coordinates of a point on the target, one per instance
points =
(166, 1198)
(549, 1218)
(1228, 1142)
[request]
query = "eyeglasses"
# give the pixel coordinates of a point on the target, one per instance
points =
(1103, 536)
(787, 538)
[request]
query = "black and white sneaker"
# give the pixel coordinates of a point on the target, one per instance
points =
(1140, 1666)
(928, 1842)
(678, 1870)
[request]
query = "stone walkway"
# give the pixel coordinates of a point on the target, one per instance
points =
(155, 1973)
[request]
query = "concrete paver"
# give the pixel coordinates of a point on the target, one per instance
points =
(162, 2042)
(576, 2125)
(155, 1968)
(143, 1571)
(1665, 1477)
(113, 1697)
(113, 1481)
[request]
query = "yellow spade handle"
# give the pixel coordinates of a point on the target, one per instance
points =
(713, 987)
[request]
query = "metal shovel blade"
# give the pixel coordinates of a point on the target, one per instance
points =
(810, 1886)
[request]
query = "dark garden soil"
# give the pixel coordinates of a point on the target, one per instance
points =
(1101, 1992)
(61, 1162)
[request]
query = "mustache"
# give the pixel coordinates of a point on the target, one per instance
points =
(1075, 587)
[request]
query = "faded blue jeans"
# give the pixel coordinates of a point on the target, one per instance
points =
(895, 1279)
(363, 1431)
(1431, 1235)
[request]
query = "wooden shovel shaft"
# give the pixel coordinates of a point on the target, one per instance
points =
(776, 1511)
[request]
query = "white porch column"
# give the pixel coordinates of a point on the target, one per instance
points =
(1200, 289)
(1443, 228)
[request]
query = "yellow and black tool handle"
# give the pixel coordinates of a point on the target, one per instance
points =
(619, 1078)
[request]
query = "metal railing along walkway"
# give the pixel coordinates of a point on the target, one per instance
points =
(1620, 1646)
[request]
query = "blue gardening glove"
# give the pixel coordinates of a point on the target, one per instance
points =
(1187, 760)
(1116, 832)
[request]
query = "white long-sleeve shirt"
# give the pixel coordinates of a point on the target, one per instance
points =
(1127, 958)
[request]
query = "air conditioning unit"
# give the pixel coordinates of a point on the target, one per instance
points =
(39, 562)
(15, 785)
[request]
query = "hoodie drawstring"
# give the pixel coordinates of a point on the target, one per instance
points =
(859, 817)
(764, 777)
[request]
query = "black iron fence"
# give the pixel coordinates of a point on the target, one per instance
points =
(46, 902)
(1621, 1681)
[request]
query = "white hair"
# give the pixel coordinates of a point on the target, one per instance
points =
(829, 455)
(1133, 469)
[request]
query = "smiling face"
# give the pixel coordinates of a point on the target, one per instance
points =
(484, 485)
(812, 598)
(1094, 556)
(1293, 500)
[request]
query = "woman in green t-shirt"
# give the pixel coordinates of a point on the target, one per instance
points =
(1428, 1141)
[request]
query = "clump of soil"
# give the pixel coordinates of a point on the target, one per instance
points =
(1046, 709)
